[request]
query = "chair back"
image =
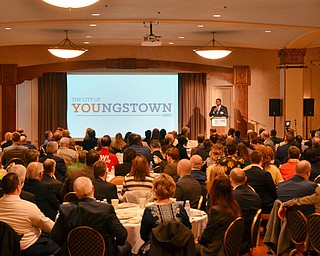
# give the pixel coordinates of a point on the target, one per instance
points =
(313, 231)
(255, 229)
(233, 237)
(200, 202)
(134, 195)
(70, 197)
(317, 179)
(9, 240)
(118, 180)
(14, 161)
(83, 241)
(297, 225)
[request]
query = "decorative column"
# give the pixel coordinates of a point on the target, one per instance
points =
(242, 79)
(291, 86)
(8, 82)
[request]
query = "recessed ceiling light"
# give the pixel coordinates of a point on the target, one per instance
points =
(171, 42)
(8, 29)
(93, 25)
(86, 42)
(88, 36)
(95, 14)
(216, 15)
(200, 26)
(267, 31)
(181, 37)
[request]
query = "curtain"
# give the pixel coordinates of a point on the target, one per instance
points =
(52, 93)
(192, 88)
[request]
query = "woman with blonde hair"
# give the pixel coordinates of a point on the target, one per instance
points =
(118, 143)
(164, 209)
(217, 151)
(214, 171)
(268, 158)
(139, 177)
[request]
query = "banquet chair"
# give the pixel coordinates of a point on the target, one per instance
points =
(133, 196)
(70, 197)
(317, 179)
(313, 231)
(233, 237)
(200, 202)
(14, 161)
(255, 229)
(297, 228)
(118, 180)
(83, 241)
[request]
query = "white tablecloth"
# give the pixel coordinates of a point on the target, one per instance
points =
(131, 220)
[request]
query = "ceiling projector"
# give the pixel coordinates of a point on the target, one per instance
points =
(151, 40)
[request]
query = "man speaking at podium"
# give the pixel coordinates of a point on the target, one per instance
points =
(219, 110)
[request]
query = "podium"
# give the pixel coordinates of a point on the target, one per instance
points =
(220, 123)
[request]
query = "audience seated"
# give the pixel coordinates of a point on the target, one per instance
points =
(69, 156)
(118, 143)
(156, 153)
(124, 168)
(24, 142)
(216, 153)
(267, 141)
(200, 176)
(139, 177)
(205, 150)
(46, 197)
(49, 167)
(187, 188)
(310, 154)
(90, 141)
(298, 186)
(105, 155)
(61, 168)
(248, 201)
(288, 169)
(14, 151)
(7, 140)
(224, 209)
(137, 146)
(26, 219)
(32, 155)
(231, 160)
(88, 212)
(102, 188)
(243, 152)
(182, 142)
(21, 171)
(261, 181)
(282, 151)
(164, 210)
(81, 161)
(200, 140)
(274, 138)
(172, 155)
(86, 171)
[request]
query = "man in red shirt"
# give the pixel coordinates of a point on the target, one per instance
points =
(105, 155)
(288, 169)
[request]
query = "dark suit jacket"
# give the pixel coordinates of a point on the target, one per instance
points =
(222, 112)
(123, 169)
(294, 188)
(54, 183)
(104, 190)
(46, 197)
(14, 151)
(187, 188)
(262, 183)
(282, 153)
(88, 212)
(67, 186)
(249, 202)
(61, 167)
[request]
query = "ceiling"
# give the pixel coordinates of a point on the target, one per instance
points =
(292, 23)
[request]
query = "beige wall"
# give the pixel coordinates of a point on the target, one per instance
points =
(265, 77)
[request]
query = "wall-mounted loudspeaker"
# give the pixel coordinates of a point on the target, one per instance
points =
(275, 107)
(308, 107)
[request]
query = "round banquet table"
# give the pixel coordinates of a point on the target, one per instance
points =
(130, 216)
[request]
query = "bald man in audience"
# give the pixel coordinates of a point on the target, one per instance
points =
(26, 219)
(249, 202)
(187, 188)
(88, 212)
(196, 173)
(298, 186)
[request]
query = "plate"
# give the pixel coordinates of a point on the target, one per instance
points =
(197, 213)
(125, 216)
(126, 205)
